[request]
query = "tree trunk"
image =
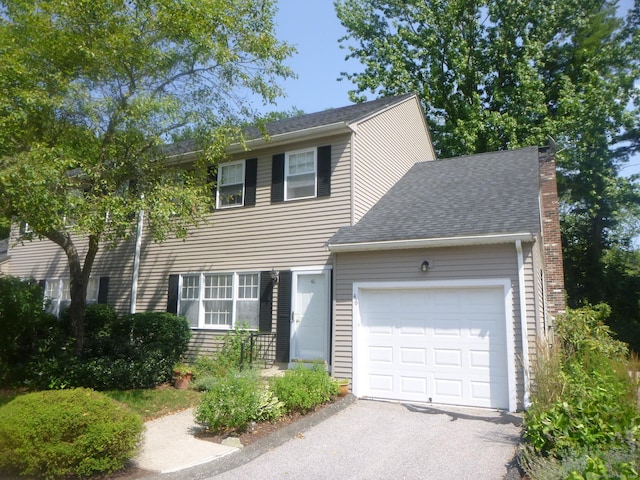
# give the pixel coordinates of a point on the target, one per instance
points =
(79, 279)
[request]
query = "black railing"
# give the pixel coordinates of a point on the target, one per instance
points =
(259, 347)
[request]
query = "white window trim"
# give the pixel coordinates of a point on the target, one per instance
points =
(234, 310)
(315, 172)
(63, 284)
(220, 185)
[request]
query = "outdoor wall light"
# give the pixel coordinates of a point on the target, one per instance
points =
(424, 266)
(275, 277)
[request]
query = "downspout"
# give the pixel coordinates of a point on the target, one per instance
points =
(523, 325)
(136, 264)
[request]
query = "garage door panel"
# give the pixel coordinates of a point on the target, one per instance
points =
(443, 357)
(413, 356)
(447, 388)
(381, 355)
(447, 345)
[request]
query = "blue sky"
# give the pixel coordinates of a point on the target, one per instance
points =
(314, 29)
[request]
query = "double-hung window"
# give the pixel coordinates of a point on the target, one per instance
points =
(58, 297)
(230, 192)
(220, 300)
(300, 174)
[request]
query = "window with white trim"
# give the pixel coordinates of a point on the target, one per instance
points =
(58, 297)
(300, 174)
(220, 300)
(230, 192)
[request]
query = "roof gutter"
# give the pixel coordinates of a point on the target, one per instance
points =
(431, 242)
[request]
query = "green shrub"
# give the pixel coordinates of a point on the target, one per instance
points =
(302, 389)
(99, 320)
(584, 399)
(620, 463)
(63, 433)
(26, 330)
(133, 351)
(234, 401)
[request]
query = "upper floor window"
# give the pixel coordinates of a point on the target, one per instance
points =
(300, 174)
(220, 300)
(231, 179)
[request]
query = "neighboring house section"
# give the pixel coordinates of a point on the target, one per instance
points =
(440, 292)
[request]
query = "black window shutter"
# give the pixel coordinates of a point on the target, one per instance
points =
(212, 179)
(103, 290)
(43, 284)
(324, 171)
(172, 297)
(284, 317)
(266, 302)
(250, 180)
(277, 178)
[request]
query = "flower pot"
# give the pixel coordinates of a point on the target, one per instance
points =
(343, 389)
(182, 381)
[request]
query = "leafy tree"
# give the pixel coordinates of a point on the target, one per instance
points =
(502, 74)
(90, 92)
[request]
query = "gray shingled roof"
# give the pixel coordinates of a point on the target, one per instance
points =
(348, 114)
(489, 193)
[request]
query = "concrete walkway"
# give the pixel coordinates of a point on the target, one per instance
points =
(170, 445)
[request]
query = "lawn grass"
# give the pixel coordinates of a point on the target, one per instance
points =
(148, 403)
(156, 402)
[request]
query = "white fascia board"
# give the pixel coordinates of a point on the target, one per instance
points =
(296, 136)
(431, 242)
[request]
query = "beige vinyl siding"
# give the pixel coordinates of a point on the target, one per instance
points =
(43, 259)
(259, 238)
(386, 146)
(481, 262)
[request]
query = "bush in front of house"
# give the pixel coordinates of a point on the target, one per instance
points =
(302, 388)
(121, 352)
(584, 417)
(236, 400)
(63, 433)
(26, 330)
(131, 351)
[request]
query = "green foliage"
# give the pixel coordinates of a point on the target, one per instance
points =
(622, 463)
(587, 402)
(90, 94)
(302, 389)
(583, 332)
(234, 401)
(134, 351)
(64, 433)
(27, 332)
(227, 360)
(495, 75)
(131, 351)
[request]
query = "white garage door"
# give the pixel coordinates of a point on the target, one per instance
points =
(441, 345)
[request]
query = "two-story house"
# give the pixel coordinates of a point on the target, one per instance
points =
(342, 235)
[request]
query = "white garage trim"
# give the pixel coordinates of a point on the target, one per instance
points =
(504, 283)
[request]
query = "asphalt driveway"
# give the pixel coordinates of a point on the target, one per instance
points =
(380, 440)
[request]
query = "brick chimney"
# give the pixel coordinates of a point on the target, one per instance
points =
(554, 293)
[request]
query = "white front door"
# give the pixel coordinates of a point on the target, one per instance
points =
(310, 313)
